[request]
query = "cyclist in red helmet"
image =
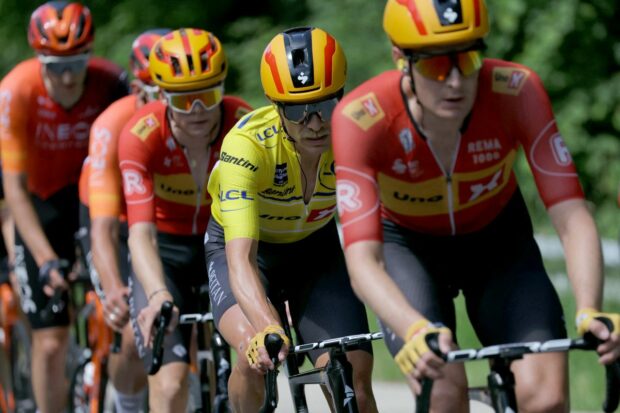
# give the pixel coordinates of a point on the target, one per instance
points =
(48, 105)
(104, 220)
(430, 206)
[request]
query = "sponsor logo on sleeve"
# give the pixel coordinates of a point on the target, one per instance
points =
(348, 196)
(242, 162)
(145, 126)
(365, 111)
(560, 150)
(406, 140)
(508, 80)
(133, 184)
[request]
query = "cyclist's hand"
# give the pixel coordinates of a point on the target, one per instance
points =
(416, 360)
(587, 321)
(147, 316)
(257, 353)
(51, 274)
(115, 308)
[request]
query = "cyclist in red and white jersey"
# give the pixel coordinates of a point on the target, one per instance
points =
(48, 104)
(166, 153)
(103, 217)
(430, 206)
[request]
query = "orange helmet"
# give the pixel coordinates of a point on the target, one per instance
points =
(61, 28)
(188, 59)
(303, 64)
(415, 24)
(140, 50)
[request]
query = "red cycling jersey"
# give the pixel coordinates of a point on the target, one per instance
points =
(386, 168)
(157, 179)
(40, 137)
(100, 181)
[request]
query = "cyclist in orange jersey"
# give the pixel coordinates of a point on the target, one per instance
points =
(104, 218)
(48, 104)
(430, 206)
(166, 153)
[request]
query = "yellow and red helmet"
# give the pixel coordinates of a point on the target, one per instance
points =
(140, 51)
(61, 28)
(187, 59)
(303, 64)
(416, 24)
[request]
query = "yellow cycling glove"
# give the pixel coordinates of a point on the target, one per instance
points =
(415, 346)
(586, 315)
(259, 341)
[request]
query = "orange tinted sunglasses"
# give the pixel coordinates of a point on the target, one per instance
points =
(439, 67)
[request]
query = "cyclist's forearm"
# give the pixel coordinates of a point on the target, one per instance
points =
(376, 289)
(145, 258)
(104, 242)
(26, 219)
(582, 248)
(246, 285)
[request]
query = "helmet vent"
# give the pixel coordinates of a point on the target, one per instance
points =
(190, 63)
(176, 66)
(41, 29)
(81, 26)
(298, 45)
(204, 62)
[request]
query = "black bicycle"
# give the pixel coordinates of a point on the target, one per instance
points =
(213, 358)
(336, 375)
(501, 381)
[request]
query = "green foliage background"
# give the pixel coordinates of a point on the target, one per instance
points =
(574, 45)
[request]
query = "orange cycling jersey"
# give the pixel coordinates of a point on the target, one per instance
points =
(40, 137)
(157, 179)
(100, 181)
(386, 168)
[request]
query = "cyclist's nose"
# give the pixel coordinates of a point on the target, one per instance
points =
(314, 122)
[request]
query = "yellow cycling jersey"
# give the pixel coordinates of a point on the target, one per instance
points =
(256, 185)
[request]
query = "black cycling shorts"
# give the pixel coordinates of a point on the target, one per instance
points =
(185, 272)
(310, 274)
(58, 216)
(499, 270)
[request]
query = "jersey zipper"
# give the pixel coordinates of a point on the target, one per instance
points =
(448, 177)
(198, 188)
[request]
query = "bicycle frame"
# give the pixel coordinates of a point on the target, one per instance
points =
(336, 375)
(501, 380)
(214, 398)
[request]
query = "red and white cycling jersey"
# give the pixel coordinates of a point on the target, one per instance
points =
(386, 168)
(40, 137)
(157, 179)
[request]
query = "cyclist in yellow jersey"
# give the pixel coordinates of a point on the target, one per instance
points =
(272, 235)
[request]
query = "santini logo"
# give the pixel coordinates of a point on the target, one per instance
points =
(224, 157)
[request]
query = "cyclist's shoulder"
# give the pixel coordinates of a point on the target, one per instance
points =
(24, 77)
(145, 125)
(256, 128)
(383, 88)
(118, 113)
(502, 78)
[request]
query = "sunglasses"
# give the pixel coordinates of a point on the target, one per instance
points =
(184, 102)
(57, 65)
(300, 113)
(439, 67)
